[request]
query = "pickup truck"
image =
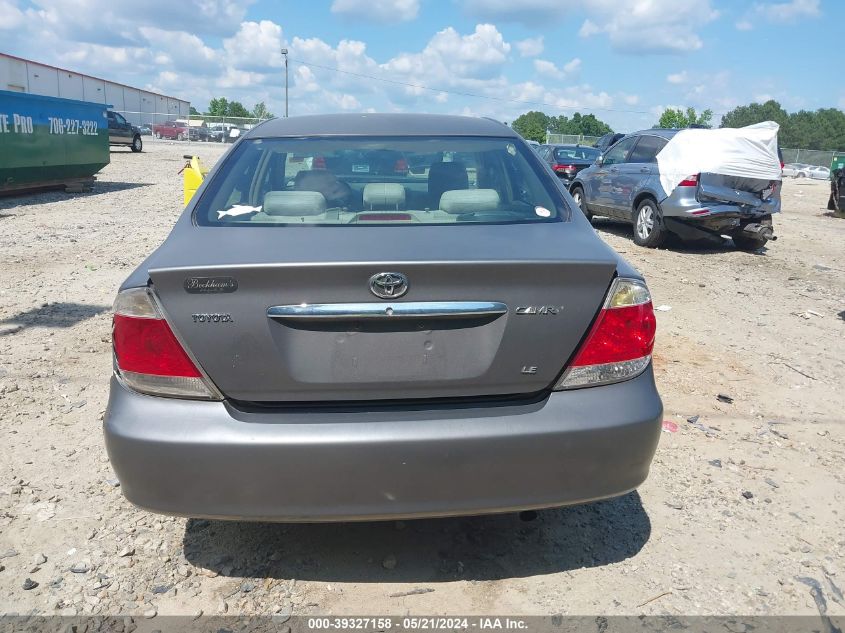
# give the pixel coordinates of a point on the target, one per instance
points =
(171, 129)
(122, 132)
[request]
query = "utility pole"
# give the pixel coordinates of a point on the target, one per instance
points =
(285, 53)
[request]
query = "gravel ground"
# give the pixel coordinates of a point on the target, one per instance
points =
(744, 498)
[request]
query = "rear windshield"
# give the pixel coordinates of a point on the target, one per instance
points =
(579, 153)
(378, 180)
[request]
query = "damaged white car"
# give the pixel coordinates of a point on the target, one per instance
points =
(694, 183)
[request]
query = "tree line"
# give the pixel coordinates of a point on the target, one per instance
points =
(822, 129)
(533, 125)
(222, 107)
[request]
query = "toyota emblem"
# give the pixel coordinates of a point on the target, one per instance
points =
(388, 285)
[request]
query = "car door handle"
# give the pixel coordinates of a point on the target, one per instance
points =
(402, 310)
(645, 170)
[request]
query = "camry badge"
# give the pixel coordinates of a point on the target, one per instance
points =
(388, 285)
(532, 310)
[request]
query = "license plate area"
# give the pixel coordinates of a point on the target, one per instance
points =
(351, 352)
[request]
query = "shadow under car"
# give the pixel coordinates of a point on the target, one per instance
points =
(487, 547)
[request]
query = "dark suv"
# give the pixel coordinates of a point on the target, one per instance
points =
(611, 138)
(122, 132)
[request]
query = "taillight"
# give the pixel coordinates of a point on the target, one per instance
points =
(564, 168)
(148, 356)
(620, 342)
(689, 181)
(401, 166)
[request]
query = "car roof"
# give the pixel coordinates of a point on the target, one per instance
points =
(571, 146)
(393, 124)
(666, 133)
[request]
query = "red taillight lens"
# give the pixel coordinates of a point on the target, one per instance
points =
(148, 357)
(565, 168)
(148, 346)
(619, 334)
(401, 166)
(619, 344)
(689, 181)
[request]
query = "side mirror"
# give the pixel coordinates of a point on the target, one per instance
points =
(600, 160)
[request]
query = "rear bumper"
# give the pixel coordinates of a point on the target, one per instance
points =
(207, 459)
(686, 208)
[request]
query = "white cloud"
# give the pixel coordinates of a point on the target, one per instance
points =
(172, 45)
(256, 46)
(382, 11)
(449, 58)
(630, 100)
(530, 47)
(649, 26)
(678, 78)
(634, 26)
(788, 11)
(344, 101)
(550, 69)
(781, 12)
(104, 22)
(545, 67)
(572, 65)
(11, 17)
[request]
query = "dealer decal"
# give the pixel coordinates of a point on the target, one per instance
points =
(209, 285)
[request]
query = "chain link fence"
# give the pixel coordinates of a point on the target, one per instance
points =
(812, 157)
(570, 139)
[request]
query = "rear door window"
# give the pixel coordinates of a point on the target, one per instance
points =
(619, 152)
(647, 149)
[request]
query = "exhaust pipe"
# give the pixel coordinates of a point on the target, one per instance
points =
(764, 231)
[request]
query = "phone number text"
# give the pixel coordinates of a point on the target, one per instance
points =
(72, 126)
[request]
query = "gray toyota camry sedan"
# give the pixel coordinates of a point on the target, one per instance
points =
(380, 316)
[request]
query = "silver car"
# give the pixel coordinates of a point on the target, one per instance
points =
(815, 172)
(624, 184)
(330, 339)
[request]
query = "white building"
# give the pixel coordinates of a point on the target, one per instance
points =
(137, 105)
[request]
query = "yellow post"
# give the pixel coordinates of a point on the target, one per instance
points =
(193, 173)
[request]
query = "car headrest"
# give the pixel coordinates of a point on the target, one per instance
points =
(384, 195)
(337, 193)
(445, 177)
(294, 203)
(460, 201)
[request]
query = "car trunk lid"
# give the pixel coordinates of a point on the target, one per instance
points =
(751, 192)
(497, 312)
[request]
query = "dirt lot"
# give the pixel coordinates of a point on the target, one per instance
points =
(743, 499)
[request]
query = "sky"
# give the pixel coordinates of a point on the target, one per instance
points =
(622, 60)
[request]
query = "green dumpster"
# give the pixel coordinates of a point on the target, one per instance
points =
(838, 162)
(49, 142)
